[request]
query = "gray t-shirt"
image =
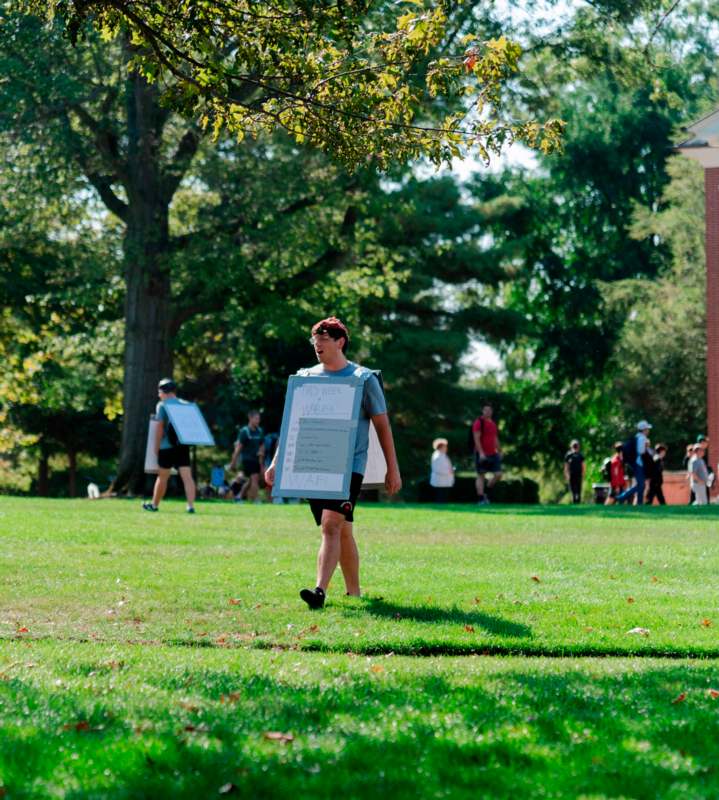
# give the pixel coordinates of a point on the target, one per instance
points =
(163, 417)
(373, 403)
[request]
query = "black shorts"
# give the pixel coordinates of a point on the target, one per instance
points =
(488, 463)
(345, 507)
(251, 466)
(177, 456)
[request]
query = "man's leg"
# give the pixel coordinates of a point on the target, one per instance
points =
(496, 477)
(330, 548)
(254, 487)
(163, 475)
(639, 475)
(349, 560)
(189, 484)
(479, 483)
(660, 496)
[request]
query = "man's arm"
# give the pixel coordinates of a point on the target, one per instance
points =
(478, 442)
(393, 480)
(235, 454)
(566, 472)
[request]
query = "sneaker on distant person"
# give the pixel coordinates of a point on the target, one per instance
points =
(190, 510)
(149, 507)
(483, 502)
(315, 598)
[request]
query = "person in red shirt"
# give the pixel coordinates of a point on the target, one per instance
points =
(617, 481)
(487, 455)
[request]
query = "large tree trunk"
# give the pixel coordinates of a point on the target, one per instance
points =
(148, 355)
(43, 472)
(72, 472)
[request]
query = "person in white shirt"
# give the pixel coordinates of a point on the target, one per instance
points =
(442, 476)
(698, 476)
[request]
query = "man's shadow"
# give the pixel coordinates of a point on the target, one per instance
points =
(378, 607)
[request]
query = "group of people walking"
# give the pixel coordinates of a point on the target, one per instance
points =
(636, 470)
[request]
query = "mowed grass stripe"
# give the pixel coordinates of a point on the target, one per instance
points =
(544, 581)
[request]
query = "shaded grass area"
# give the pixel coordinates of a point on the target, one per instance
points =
(554, 581)
(117, 721)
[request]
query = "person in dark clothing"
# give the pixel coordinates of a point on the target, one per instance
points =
(574, 470)
(657, 481)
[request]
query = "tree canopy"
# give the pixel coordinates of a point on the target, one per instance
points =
(350, 77)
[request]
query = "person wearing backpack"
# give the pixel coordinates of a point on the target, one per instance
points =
(487, 455)
(170, 453)
(633, 451)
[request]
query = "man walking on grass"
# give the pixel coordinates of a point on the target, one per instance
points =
(330, 339)
(487, 455)
(170, 453)
(250, 448)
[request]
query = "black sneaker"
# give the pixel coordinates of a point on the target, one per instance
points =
(149, 507)
(315, 598)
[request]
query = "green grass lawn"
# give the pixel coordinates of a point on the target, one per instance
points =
(163, 655)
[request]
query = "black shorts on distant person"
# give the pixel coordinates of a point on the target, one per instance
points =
(488, 463)
(345, 507)
(251, 466)
(177, 456)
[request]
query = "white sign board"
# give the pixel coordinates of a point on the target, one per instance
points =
(317, 438)
(376, 465)
(151, 464)
(189, 424)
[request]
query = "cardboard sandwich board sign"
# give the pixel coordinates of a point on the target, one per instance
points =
(189, 424)
(317, 437)
(151, 464)
(190, 427)
(376, 465)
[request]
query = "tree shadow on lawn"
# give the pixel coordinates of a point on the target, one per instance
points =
(375, 729)
(379, 607)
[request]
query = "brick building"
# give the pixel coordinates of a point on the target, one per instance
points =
(703, 146)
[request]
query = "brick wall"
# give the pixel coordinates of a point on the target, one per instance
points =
(711, 185)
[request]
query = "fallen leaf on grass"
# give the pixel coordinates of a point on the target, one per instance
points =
(82, 725)
(235, 601)
(713, 693)
(680, 698)
(477, 601)
(196, 728)
(706, 623)
(378, 668)
(278, 736)
(536, 579)
(639, 631)
(589, 629)
(232, 697)
(641, 563)
(23, 630)
(655, 579)
(188, 706)
(227, 788)
(469, 628)
(630, 600)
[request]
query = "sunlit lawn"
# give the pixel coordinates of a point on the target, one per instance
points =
(163, 655)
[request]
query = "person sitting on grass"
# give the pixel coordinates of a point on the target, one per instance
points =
(170, 453)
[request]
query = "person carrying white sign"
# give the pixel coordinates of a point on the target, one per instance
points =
(170, 452)
(330, 339)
